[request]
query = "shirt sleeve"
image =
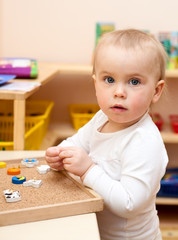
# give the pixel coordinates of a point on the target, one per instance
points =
(143, 166)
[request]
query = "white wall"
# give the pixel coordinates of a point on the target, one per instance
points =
(64, 30)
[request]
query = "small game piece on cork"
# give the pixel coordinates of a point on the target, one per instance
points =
(12, 196)
(13, 171)
(3, 164)
(43, 169)
(29, 162)
(18, 179)
(33, 182)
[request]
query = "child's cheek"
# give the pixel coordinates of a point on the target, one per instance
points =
(139, 103)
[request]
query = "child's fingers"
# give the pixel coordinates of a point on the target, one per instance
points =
(52, 152)
(65, 154)
(67, 161)
(52, 159)
(67, 167)
(57, 165)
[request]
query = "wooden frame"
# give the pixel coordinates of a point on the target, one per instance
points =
(94, 203)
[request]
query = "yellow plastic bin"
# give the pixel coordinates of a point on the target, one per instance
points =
(82, 113)
(39, 110)
(36, 123)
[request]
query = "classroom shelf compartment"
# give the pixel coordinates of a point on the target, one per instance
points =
(36, 123)
(82, 113)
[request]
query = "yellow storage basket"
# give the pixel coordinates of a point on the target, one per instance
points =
(36, 123)
(39, 110)
(82, 113)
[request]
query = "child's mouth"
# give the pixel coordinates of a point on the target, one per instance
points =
(119, 108)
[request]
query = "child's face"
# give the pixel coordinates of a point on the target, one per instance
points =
(126, 84)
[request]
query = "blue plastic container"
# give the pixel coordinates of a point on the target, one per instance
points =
(169, 184)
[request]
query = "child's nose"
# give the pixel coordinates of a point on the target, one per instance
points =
(120, 91)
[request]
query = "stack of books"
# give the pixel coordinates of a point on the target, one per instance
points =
(20, 67)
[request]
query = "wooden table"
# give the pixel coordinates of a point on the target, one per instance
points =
(66, 228)
(46, 73)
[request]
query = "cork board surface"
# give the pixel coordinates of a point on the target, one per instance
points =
(57, 189)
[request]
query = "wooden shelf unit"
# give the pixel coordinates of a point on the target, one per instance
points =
(172, 73)
(166, 201)
(168, 135)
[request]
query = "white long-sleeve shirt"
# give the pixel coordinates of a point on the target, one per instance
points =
(129, 166)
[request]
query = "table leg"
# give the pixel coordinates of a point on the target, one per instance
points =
(19, 124)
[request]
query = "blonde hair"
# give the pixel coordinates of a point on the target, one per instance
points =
(134, 39)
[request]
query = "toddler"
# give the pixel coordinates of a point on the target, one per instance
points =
(120, 153)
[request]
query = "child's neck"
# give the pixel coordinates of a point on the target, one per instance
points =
(110, 127)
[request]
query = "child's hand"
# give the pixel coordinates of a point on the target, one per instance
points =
(52, 158)
(75, 160)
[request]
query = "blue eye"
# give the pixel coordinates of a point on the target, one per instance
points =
(134, 81)
(109, 80)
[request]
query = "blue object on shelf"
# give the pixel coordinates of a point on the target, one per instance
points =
(169, 184)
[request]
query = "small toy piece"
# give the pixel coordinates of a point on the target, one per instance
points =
(13, 171)
(29, 162)
(18, 179)
(158, 120)
(33, 182)
(174, 122)
(12, 196)
(43, 169)
(3, 164)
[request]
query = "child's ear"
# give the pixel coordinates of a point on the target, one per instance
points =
(158, 91)
(94, 78)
